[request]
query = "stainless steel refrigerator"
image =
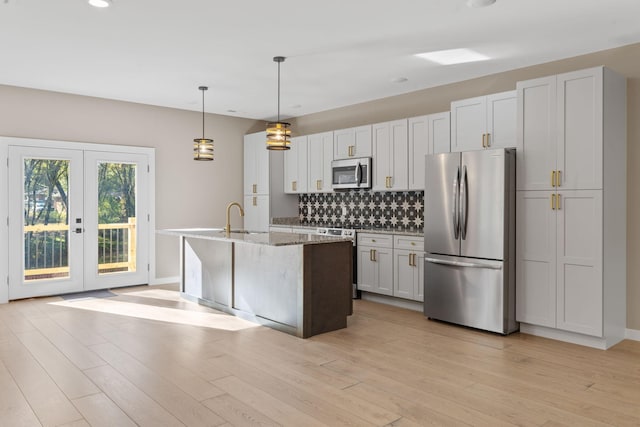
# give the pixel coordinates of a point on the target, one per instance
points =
(469, 235)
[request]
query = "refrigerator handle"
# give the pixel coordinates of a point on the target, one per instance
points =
(464, 203)
(462, 264)
(455, 207)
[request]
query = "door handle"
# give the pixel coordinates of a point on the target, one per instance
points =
(255, 188)
(558, 202)
(255, 201)
(558, 180)
(464, 201)
(318, 184)
(553, 178)
(455, 201)
(372, 255)
(488, 140)
(553, 202)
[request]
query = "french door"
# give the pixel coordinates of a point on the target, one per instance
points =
(78, 220)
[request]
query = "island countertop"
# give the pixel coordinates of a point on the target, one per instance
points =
(272, 238)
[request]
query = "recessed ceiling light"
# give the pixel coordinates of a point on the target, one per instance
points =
(100, 3)
(480, 3)
(231, 111)
(453, 56)
(296, 106)
(399, 80)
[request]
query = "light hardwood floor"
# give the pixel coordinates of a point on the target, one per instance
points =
(147, 358)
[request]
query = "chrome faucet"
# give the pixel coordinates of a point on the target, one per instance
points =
(227, 228)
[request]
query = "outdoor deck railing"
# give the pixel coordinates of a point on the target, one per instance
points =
(46, 247)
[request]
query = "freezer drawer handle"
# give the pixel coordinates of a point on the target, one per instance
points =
(462, 264)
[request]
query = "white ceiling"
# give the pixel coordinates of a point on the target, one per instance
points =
(339, 52)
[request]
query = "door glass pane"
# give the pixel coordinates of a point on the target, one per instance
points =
(46, 222)
(116, 217)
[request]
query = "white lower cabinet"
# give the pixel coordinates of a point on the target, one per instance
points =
(375, 263)
(408, 267)
(391, 265)
(559, 261)
(256, 212)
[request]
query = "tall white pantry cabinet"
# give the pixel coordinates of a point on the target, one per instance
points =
(571, 207)
(263, 184)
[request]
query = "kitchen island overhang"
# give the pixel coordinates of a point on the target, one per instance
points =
(296, 283)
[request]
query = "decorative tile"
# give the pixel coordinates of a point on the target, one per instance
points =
(403, 211)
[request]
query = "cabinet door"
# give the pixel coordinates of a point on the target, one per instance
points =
(408, 270)
(535, 258)
(418, 284)
(468, 123)
(418, 135)
(256, 212)
(390, 156)
(404, 274)
(579, 275)
(502, 120)
(295, 166)
(384, 269)
(366, 269)
(343, 140)
(256, 164)
(362, 141)
(352, 142)
(439, 133)
(262, 163)
(536, 154)
(381, 156)
(320, 155)
(580, 121)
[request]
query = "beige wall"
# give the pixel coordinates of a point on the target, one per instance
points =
(188, 193)
(625, 60)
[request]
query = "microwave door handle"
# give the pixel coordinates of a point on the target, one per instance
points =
(454, 208)
(358, 174)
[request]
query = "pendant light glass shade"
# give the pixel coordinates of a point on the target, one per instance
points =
(278, 133)
(203, 147)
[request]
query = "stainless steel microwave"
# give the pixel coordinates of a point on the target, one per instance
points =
(351, 173)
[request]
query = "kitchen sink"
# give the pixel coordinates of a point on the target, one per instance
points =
(243, 232)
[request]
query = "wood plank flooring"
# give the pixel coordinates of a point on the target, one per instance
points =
(147, 358)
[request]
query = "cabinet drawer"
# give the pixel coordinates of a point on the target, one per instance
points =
(408, 242)
(378, 240)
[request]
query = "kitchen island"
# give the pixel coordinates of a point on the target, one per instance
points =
(296, 283)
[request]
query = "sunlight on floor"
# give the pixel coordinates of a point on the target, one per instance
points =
(164, 314)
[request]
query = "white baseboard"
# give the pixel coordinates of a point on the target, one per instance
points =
(632, 334)
(164, 280)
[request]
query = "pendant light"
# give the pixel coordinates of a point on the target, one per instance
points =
(203, 147)
(278, 133)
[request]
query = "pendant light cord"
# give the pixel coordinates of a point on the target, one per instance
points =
(278, 91)
(203, 113)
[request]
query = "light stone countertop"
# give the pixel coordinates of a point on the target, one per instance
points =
(376, 230)
(254, 237)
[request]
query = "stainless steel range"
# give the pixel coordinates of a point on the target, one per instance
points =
(350, 233)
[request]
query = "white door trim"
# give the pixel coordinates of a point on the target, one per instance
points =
(5, 142)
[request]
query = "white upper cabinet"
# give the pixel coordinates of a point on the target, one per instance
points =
(484, 122)
(320, 150)
(579, 125)
(427, 135)
(352, 142)
(256, 164)
(390, 156)
(537, 117)
(295, 166)
(561, 131)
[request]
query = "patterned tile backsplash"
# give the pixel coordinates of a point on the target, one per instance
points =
(364, 209)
